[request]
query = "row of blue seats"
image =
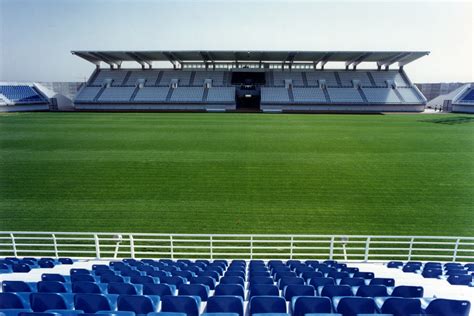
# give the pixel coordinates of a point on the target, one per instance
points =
(203, 291)
(454, 273)
(12, 304)
(24, 265)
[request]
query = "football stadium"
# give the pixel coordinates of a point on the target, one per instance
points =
(227, 181)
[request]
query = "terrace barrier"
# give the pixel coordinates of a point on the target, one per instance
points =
(222, 246)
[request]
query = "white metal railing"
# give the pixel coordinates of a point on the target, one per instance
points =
(214, 246)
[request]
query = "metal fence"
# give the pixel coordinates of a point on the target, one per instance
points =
(218, 246)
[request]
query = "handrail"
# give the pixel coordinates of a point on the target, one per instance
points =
(111, 245)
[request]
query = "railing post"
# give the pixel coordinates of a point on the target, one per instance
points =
(97, 246)
(456, 246)
(132, 246)
(171, 247)
(13, 245)
(55, 245)
(251, 247)
(291, 247)
(411, 248)
(367, 245)
(210, 248)
(331, 249)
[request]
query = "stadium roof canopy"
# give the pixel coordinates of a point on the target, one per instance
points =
(351, 58)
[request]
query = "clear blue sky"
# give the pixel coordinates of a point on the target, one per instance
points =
(36, 36)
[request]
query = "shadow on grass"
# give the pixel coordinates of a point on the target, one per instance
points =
(450, 120)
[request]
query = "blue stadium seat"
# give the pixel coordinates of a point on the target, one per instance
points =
(66, 312)
(260, 280)
(312, 274)
(41, 302)
(395, 264)
(321, 281)
(184, 274)
(338, 275)
(130, 273)
(262, 273)
(158, 289)
(325, 270)
(407, 291)
(365, 275)
(142, 279)
(181, 304)
(352, 281)
(432, 273)
(46, 264)
(445, 307)
(303, 305)
(21, 268)
(289, 280)
(86, 287)
(235, 274)
(76, 271)
(263, 289)
(91, 303)
(399, 306)
(12, 301)
(460, 279)
(456, 272)
(109, 278)
(121, 288)
(174, 280)
(372, 291)
(82, 278)
(267, 304)
(292, 290)
(350, 270)
(352, 306)
(225, 304)
(209, 281)
(382, 281)
(38, 314)
(138, 304)
(232, 280)
(336, 290)
(194, 290)
(284, 274)
(230, 289)
(51, 287)
(15, 286)
(159, 274)
(65, 261)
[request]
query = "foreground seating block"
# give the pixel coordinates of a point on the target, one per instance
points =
(267, 304)
(225, 304)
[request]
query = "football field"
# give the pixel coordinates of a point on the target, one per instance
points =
(237, 173)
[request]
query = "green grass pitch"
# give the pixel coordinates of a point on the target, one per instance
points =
(237, 173)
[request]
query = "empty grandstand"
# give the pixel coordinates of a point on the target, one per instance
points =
(22, 96)
(259, 81)
(464, 101)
